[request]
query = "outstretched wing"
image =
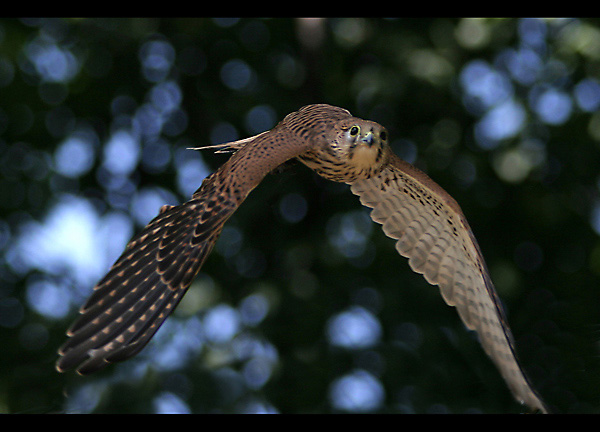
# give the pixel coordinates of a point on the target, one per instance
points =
(149, 279)
(434, 235)
(145, 284)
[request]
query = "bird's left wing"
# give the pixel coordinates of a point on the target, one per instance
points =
(149, 279)
(432, 232)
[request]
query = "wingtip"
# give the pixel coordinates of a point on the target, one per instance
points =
(63, 364)
(218, 148)
(58, 368)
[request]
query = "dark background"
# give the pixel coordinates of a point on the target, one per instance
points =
(304, 306)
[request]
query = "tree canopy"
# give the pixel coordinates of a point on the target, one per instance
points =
(304, 306)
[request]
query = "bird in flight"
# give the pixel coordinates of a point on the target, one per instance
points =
(158, 265)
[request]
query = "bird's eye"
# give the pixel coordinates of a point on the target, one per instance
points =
(354, 130)
(383, 135)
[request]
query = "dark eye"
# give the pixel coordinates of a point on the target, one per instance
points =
(383, 135)
(354, 130)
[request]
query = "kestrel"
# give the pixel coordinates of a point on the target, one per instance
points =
(149, 279)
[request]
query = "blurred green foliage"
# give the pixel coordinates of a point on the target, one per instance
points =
(531, 196)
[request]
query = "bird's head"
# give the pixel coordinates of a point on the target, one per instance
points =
(361, 146)
(363, 142)
(345, 148)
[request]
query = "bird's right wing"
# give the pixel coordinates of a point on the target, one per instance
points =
(157, 267)
(145, 284)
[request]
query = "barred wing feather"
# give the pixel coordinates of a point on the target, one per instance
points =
(434, 235)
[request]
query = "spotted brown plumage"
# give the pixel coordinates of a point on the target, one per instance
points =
(149, 279)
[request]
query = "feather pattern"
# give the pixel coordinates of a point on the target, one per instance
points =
(157, 267)
(147, 282)
(432, 232)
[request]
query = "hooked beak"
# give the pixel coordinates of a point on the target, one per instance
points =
(368, 139)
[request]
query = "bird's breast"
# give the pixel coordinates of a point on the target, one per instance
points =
(358, 163)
